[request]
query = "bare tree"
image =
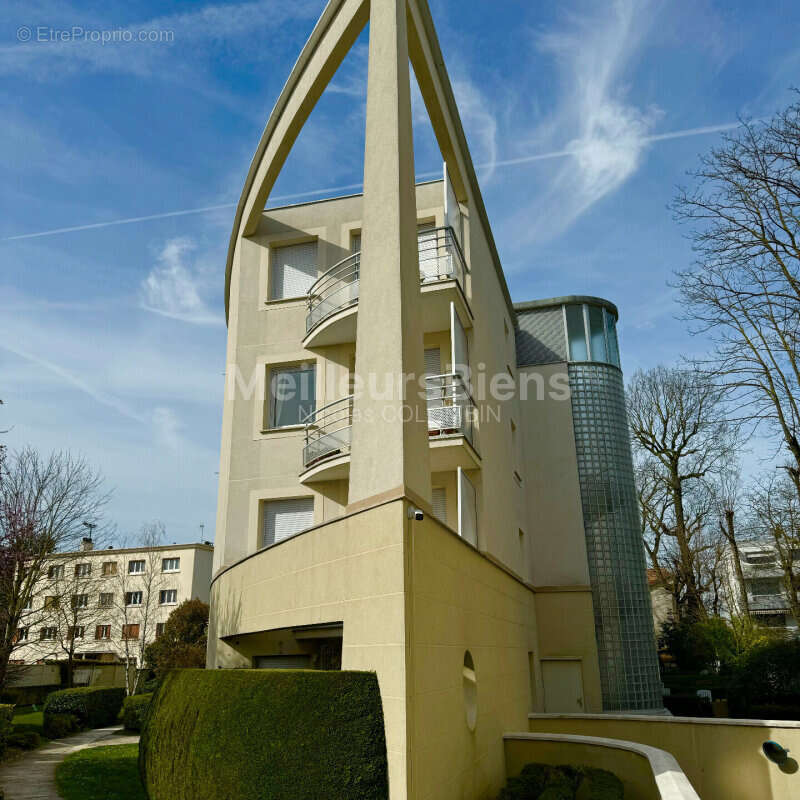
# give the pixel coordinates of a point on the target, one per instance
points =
(44, 503)
(776, 509)
(140, 581)
(744, 290)
(681, 438)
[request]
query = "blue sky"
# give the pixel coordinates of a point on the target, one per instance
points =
(112, 337)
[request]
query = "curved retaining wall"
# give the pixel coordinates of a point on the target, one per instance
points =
(647, 773)
(721, 757)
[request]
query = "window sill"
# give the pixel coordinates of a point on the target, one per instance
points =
(285, 301)
(285, 429)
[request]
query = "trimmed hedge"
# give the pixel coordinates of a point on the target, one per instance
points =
(6, 716)
(265, 735)
(91, 707)
(564, 782)
(134, 710)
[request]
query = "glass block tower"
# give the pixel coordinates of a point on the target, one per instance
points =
(581, 333)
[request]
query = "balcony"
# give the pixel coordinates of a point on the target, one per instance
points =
(326, 454)
(332, 301)
(451, 423)
(451, 432)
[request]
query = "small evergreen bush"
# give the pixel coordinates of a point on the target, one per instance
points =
(57, 726)
(6, 715)
(25, 740)
(93, 707)
(134, 710)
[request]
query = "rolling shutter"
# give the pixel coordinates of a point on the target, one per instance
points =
(433, 362)
(294, 270)
(439, 502)
(284, 518)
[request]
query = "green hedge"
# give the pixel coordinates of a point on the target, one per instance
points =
(93, 708)
(564, 782)
(6, 716)
(265, 735)
(133, 711)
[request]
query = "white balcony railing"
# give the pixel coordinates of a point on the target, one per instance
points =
(327, 432)
(440, 259)
(451, 410)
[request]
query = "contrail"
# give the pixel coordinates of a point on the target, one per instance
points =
(509, 162)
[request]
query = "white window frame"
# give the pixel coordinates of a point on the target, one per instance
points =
(163, 592)
(133, 594)
(132, 563)
(171, 569)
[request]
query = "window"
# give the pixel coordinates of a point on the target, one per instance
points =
(28, 604)
(168, 597)
(83, 570)
(611, 338)
(48, 633)
(133, 598)
(293, 270)
(760, 558)
(136, 567)
(283, 518)
(50, 601)
(292, 395)
(439, 503)
(765, 586)
(76, 632)
(467, 509)
(515, 453)
(102, 632)
(22, 635)
(159, 629)
(170, 564)
(109, 568)
(106, 600)
(576, 334)
(56, 571)
(130, 631)
(80, 601)
(597, 335)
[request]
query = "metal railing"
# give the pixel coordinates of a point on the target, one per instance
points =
(337, 289)
(327, 431)
(451, 410)
(440, 259)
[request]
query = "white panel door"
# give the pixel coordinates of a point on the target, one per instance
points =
(284, 518)
(563, 686)
(452, 212)
(467, 509)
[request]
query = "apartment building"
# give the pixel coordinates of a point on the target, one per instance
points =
(108, 604)
(418, 477)
(764, 584)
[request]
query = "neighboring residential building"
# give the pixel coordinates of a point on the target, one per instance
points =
(470, 534)
(662, 600)
(767, 598)
(97, 599)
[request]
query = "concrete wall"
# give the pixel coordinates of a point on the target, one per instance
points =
(458, 601)
(721, 757)
(350, 570)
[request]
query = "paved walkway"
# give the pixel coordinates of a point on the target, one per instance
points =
(32, 777)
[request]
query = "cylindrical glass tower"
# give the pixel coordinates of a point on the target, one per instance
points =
(581, 331)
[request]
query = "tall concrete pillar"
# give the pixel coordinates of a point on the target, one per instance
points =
(389, 438)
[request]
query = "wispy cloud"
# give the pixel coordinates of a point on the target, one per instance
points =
(172, 288)
(142, 49)
(609, 134)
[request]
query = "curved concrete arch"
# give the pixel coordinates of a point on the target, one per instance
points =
(333, 36)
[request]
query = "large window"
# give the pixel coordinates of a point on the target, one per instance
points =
(292, 395)
(133, 598)
(283, 518)
(109, 568)
(294, 270)
(592, 334)
(106, 599)
(83, 570)
(80, 601)
(170, 564)
(130, 631)
(102, 632)
(56, 571)
(168, 597)
(765, 586)
(136, 567)
(76, 632)
(49, 633)
(576, 334)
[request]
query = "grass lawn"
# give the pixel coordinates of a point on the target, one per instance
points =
(26, 719)
(99, 773)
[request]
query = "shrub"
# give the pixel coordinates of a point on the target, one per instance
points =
(258, 734)
(182, 644)
(25, 740)
(6, 715)
(134, 710)
(564, 782)
(768, 674)
(93, 707)
(57, 726)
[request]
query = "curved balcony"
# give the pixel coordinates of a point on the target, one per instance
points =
(333, 299)
(326, 454)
